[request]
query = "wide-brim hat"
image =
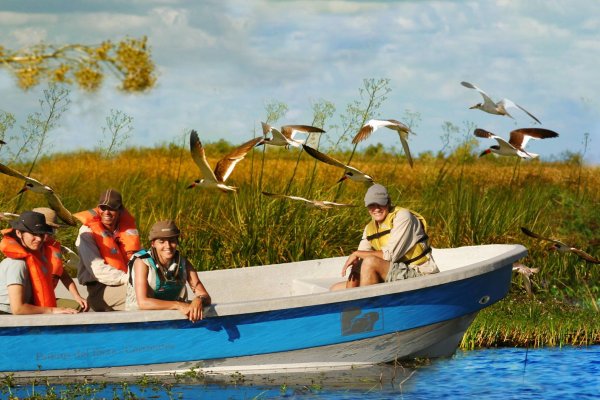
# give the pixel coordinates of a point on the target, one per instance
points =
(32, 222)
(50, 215)
(164, 230)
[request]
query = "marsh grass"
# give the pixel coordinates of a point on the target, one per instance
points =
(465, 201)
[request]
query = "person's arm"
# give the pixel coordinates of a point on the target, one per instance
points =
(72, 288)
(19, 307)
(140, 284)
(202, 298)
(402, 237)
(91, 259)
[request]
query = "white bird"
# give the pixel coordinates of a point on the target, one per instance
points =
(8, 216)
(36, 186)
(498, 108)
(320, 204)
(349, 172)
(563, 247)
(286, 136)
(216, 179)
(517, 142)
(526, 273)
(374, 124)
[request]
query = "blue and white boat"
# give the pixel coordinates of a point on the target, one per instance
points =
(272, 318)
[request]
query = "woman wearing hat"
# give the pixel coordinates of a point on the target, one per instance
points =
(25, 274)
(157, 278)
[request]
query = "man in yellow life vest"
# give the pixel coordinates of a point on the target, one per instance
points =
(394, 245)
(106, 241)
(26, 285)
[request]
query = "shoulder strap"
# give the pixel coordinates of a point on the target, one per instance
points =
(142, 254)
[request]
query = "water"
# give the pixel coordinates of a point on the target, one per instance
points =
(552, 373)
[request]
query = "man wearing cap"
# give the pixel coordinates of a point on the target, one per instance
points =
(106, 241)
(157, 278)
(25, 274)
(394, 245)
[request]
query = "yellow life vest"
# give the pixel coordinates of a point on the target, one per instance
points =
(379, 234)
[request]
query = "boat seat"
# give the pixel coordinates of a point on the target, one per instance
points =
(313, 285)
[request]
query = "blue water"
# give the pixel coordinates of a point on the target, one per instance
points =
(552, 373)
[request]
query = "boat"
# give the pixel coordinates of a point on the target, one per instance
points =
(271, 319)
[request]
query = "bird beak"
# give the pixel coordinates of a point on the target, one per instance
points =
(343, 178)
(191, 186)
(23, 190)
(485, 152)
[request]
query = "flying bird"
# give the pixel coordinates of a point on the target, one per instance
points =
(7, 216)
(349, 172)
(498, 108)
(320, 204)
(286, 136)
(526, 273)
(36, 186)
(563, 247)
(374, 124)
(517, 142)
(216, 179)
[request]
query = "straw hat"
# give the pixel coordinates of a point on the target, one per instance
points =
(50, 214)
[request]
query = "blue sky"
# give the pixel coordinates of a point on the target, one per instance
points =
(220, 62)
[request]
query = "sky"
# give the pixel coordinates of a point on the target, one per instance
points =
(219, 63)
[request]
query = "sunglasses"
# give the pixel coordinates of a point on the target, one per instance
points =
(104, 207)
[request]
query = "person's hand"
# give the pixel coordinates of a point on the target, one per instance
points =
(82, 303)
(62, 310)
(192, 310)
(352, 261)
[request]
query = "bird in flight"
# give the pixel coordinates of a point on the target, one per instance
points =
(517, 142)
(36, 186)
(498, 108)
(526, 273)
(374, 124)
(320, 204)
(216, 179)
(349, 172)
(563, 247)
(286, 136)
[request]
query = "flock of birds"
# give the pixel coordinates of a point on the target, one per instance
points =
(215, 178)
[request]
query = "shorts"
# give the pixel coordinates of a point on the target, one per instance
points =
(399, 271)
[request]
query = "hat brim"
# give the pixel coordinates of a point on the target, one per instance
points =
(20, 226)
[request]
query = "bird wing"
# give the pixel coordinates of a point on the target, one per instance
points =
(226, 165)
(333, 204)
(7, 216)
(482, 133)
(61, 211)
(585, 256)
(199, 157)
(284, 196)
(16, 174)
(404, 140)
(324, 157)
(289, 131)
(520, 137)
(487, 101)
(509, 103)
(364, 132)
(537, 236)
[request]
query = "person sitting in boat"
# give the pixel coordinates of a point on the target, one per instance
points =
(25, 274)
(106, 241)
(394, 245)
(157, 278)
(59, 273)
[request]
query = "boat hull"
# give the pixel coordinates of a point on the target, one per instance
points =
(330, 330)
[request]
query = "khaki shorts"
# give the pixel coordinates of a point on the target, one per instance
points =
(102, 297)
(399, 270)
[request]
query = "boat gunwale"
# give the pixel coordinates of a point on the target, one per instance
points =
(514, 252)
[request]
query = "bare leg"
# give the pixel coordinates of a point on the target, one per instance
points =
(373, 270)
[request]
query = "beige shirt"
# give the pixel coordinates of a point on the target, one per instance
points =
(406, 232)
(91, 265)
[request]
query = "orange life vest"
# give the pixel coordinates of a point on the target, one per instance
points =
(53, 253)
(39, 273)
(115, 248)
